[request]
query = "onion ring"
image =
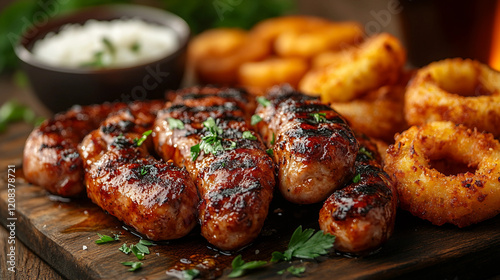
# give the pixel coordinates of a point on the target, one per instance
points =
(455, 194)
(273, 71)
(376, 62)
(457, 90)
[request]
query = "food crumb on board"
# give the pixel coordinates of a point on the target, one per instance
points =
(84, 247)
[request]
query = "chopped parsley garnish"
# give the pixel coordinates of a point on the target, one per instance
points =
(190, 274)
(175, 123)
(248, 135)
(109, 46)
(319, 117)
(255, 119)
(269, 152)
(294, 270)
(144, 170)
(135, 47)
(134, 265)
(97, 61)
(139, 250)
(263, 101)
(125, 249)
(356, 178)
(106, 238)
(138, 142)
(273, 140)
(364, 151)
(240, 266)
(305, 245)
(212, 142)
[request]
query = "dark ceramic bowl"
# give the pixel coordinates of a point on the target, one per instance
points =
(61, 87)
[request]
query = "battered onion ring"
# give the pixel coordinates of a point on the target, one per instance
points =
(457, 90)
(215, 42)
(223, 68)
(274, 71)
(376, 62)
(379, 114)
(463, 198)
(308, 43)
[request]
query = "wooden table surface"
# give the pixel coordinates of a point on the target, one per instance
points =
(29, 265)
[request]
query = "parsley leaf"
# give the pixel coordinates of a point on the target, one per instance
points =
(138, 142)
(263, 101)
(145, 242)
(190, 274)
(367, 153)
(356, 178)
(319, 117)
(295, 271)
(175, 123)
(144, 170)
(240, 266)
(255, 119)
(125, 249)
(305, 245)
(106, 238)
(273, 140)
(138, 253)
(248, 135)
(135, 47)
(269, 152)
(134, 265)
(212, 142)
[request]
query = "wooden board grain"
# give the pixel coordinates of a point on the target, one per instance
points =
(57, 231)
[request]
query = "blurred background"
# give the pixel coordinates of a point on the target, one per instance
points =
(430, 30)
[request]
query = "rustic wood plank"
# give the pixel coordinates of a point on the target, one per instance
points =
(56, 230)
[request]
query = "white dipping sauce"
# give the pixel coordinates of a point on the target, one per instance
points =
(98, 44)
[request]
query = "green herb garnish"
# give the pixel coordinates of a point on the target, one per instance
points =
(269, 152)
(263, 101)
(97, 61)
(190, 274)
(138, 142)
(273, 140)
(295, 271)
(367, 153)
(106, 238)
(356, 178)
(138, 253)
(125, 249)
(175, 123)
(248, 135)
(134, 265)
(319, 117)
(212, 142)
(144, 170)
(135, 47)
(145, 242)
(305, 245)
(109, 46)
(240, 266)
(255, 119)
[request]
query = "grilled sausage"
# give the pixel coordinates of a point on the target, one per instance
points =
(158, 199)
(362, 214)
(313, 146)
(51, 158)
(234, 175)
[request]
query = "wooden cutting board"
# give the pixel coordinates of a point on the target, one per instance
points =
(58, 229)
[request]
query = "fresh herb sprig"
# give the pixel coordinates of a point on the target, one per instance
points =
(366, 152)
(356, 178)
(175, 123)
(240, 266)
(255, 119)
(190, 274)
(305, 245)
(263, 101)
(212, 142)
